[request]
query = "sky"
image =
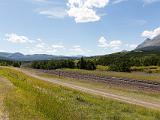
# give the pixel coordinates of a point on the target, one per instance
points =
(76, 27)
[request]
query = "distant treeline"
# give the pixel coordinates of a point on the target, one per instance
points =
(58, 64)
(138, 59)
(10, 63)
(124, 60)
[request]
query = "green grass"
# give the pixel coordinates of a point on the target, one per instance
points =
(5, 87)
(147, 69)
(102, 68)
(132, 75)
(35, 99)
(148, 96)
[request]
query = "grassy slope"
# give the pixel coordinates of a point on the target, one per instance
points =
(36, 99)
(123, 91)
(5, 87)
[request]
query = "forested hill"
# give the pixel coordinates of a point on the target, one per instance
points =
(136, 58)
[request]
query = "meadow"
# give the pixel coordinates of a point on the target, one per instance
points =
(131, 92)
(136, 74)
(31, 99)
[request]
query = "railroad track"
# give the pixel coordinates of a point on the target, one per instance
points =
(141, 84)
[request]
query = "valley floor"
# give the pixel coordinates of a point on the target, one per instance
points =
(153, 104)
(38, 97)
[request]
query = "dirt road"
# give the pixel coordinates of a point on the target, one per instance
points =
(96, 92)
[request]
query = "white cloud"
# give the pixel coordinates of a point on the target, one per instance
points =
(15, 38)
(2, 50)
(57, 46)
(151, 34)
(53, 13)
(40, 0)
(118, 1)
(150, 1)
(102, 42)
(84, 10)
(77, 50)
(131, 46)
(41, 47)
(115, 44)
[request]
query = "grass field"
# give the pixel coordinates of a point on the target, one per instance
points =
(5, 87)
(31, 99)
(132, 75)
(147, 69)
(124, 91)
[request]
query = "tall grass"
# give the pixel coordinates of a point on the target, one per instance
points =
(132, 75)
(36, 99)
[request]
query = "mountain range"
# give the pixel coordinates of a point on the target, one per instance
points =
(150, 44)
(22, 57)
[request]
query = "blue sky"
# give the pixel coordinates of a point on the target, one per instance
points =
(76, 27)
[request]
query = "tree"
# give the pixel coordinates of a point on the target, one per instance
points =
(16, 64)
(86, 64)
(122, 65)
(81, 64)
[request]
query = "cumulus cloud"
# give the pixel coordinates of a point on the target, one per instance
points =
(115, 44)
(151, 34)
(84, 10)
(15, 38)
(53, 13)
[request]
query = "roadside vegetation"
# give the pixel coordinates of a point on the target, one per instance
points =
(35, 99)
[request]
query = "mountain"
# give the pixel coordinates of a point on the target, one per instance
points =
(150, 44)
(16, 56)
(22, 57)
